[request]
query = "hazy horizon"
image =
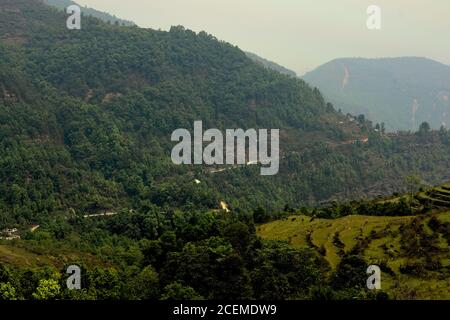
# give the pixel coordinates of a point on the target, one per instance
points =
(301, 34)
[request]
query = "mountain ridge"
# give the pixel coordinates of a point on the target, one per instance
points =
(63, 4)
(402, 92)
(270, 64)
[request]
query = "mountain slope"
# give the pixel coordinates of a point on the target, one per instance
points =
(86, 118)
(63, 4)
(271, 65)
(401, 92)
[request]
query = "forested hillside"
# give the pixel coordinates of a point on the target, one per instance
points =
(63, 4)
(86, 117)
(86, 176)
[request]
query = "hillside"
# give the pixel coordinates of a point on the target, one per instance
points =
(401, 92)
(86, 176)
(63, 4)
(271, 65)
(86, 118)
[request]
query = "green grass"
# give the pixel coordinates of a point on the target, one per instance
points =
(19, 255)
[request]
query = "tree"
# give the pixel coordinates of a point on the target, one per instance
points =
(350, 273)
(106, 283)
(7, 292)
(239, 235)
(413, 183)
(269, 283)
(260, 215)
(378, 127)
(178, 291)
(330, 107)
(361, 119)
(424, 128)
(47, 290)
(145, 286)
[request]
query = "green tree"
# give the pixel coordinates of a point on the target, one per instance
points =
(7, 292)
(177, 291)
(145, 286)
(424, 128)
(350, 273)
(47, 290)
(106, 283)
(239, 235)
(413, 183)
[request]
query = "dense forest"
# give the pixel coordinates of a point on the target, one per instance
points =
(86, 118)
(85, 123)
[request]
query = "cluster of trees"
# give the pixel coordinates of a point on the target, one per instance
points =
(423, 247)
(400, 207)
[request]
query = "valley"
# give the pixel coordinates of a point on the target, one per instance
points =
(87, 177)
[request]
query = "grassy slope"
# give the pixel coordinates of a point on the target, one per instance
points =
(351, 230)
(20, 254)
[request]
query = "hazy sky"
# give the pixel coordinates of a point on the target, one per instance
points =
(302, 34)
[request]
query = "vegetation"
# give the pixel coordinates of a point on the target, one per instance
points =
(412, 251)
(208, 255)
(86, 177)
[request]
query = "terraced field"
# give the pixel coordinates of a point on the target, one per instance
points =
(438, 197)
(322, 233)
(382, 240)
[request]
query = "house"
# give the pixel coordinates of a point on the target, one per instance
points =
(364, 140)
(9, 234)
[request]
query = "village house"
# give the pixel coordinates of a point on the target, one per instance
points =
(9, 234)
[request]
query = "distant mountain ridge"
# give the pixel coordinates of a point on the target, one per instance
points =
(63, 4)
(401, 92)
(270, 64)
